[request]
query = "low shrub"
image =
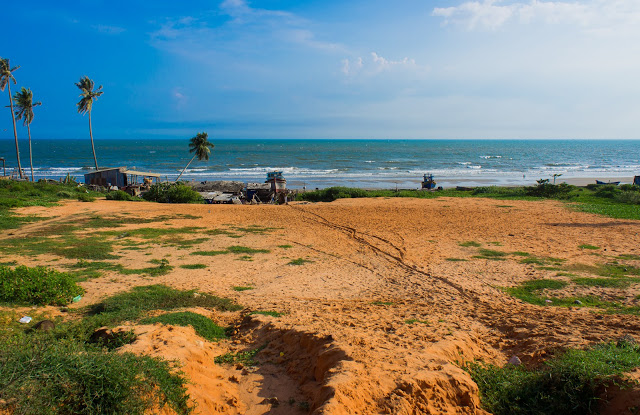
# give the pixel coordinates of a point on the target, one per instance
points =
(569, 383)
(172, 193)
(84, 197)
(38, 286)
(332, 193)
(549, 190)
(630, 197)
(121, 195)
(40, 375)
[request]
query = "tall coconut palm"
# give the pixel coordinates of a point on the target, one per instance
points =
(6, 77)
(86, 103)
(201, 147)
(24, 111)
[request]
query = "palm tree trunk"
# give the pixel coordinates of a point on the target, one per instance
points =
(30, 155)
(180, 175)
(15, 132)
(92, 147)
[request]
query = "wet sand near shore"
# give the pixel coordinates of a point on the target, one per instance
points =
(380, 303)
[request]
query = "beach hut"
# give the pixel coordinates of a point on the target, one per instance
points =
(119, 176)
(636, 180)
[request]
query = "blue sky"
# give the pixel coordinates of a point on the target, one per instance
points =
(330, 69)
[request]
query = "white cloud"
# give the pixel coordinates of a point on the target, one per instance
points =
(596, 15)
(375, 64)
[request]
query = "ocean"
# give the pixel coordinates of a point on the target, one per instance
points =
(359, 163)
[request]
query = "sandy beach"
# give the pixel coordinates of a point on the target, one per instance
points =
(380, 302)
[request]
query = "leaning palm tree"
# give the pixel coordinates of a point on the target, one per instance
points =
(86, 103)
(24, 111)
(6, 77)
(201, 147)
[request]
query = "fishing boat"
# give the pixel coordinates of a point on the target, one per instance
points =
(613, 183)
(428, 182)
(277, 181)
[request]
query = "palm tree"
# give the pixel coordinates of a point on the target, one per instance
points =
(5, 81)
(86, 103)
(24, 111)
(201, 147)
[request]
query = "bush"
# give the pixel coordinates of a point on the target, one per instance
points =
(546, 189)
(570, 383)
(172, 193)
(38, 286)
(121, 195)
(630, 188)
(333, 193)
(629, 197)
(45, 376)
(607, 191)
(83, 197)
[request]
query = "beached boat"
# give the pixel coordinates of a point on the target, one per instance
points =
(428, 182)
(613, 183)
(277, 181)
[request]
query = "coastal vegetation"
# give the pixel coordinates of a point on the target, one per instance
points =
(619, 202)
(571, 382)
(85, 105)
(24, 111)
(6, 77)
(199, 145)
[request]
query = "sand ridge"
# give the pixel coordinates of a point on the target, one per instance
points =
(378, 319)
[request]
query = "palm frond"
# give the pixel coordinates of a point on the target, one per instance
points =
(23, 102)
(6, 73)
(87, 94)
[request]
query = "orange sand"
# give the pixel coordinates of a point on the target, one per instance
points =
(336, 352)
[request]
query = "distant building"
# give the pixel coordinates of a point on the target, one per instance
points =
(119, 176)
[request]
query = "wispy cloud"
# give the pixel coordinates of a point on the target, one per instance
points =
(108, 29)
(375, 64)
(596, 15)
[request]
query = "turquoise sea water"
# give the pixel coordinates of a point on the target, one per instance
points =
(363, 163)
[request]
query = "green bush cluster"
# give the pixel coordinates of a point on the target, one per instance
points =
(569, 383)
(41, 375)
(172, 193)
(204, 326)
(549, 190)
(38, 286)
(121, 195)
(333, 193)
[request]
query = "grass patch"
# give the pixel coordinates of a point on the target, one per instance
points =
(242, 288)
(255, 229)
(531, 291)
(204, 326)
(587, 246)
(268, 313)
(46, 376)
(630, 257)
(245, 258)
(470, 244)
(605, 282)
(37, 286)
(382, 303)
(569, 383)
(92, 269)
(208, 253)
(285, 246)
(246, 358)
(520, 253)
(491, 254)
(455, 259)
(542, 261)
(299, 261)
(237, 249)
(193, 266)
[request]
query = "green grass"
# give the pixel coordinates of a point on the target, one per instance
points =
(520, 253)
(605, 282)
(299, 261)
(91, 269)
(255, 229)
(542, 261)
(587, 246)
(285, 246)
(531, 291)
(569, 383)
(209, 253)
(268, 313)
(247, 358)
(382, 303)
(242, 288)
(37, 286)
(630, 257)
(470, 244)
(237, 249)
(48, 376)
(455, 259)
(193, 266)
(245, 258)
(491, 254)
(204, 326)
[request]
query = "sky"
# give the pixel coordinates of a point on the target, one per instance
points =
(374, 69)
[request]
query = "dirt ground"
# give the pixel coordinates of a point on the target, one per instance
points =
(384, 306)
